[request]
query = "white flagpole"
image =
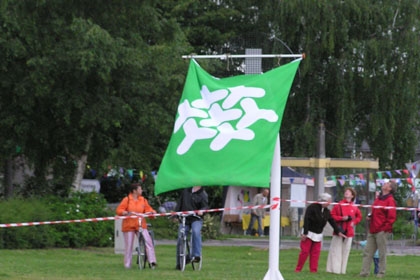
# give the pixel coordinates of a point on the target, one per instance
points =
(273, 272)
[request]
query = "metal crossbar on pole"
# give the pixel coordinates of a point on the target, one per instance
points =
(227, 56)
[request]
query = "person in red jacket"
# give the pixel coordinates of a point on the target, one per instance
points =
(135, 203)
(346, 215)
(381, 220)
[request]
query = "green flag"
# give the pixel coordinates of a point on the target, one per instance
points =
(225, 129)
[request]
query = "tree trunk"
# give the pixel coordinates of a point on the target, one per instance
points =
(8, 175)
(81, 165)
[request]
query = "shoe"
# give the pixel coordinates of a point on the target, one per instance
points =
(153, 265)
(188, 260)
(363, 275)
(380, 275)
(195, 259)
(178, 267)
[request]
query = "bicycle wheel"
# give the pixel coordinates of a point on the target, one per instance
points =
(182, 257)
(141, 252)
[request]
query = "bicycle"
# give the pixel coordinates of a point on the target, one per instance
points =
(141, 248)
(184, 254)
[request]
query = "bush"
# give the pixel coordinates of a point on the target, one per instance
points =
(403, 228)
(25, 237)
(81, 206)
(164, 227)
(77, 206)
(211, 226)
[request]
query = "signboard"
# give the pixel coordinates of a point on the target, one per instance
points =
(89, 185)
(417, 184)
(298, 195)
(372, 187)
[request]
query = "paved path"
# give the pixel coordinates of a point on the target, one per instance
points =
(395, 247)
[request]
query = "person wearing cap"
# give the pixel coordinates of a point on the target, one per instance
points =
(382, 217)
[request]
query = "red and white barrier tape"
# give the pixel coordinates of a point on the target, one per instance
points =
(127, 217)
(273, 206)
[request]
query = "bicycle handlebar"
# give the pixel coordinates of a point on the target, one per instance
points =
(182, 215)
(138, 214)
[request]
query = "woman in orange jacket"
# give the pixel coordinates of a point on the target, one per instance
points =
(132, 204)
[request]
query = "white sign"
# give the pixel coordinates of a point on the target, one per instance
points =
(372, 186)
(298, 195)
(417, 184)
(89, 185)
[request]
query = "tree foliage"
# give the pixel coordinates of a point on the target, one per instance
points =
(360, 76)
(100, 80)
(97, 78)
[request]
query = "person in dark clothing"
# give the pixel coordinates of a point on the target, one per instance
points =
(192, 199)
(316, 217)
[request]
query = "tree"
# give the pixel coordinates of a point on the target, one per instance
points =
(360, 74)
(87, 80)
(99, 81)
(361, 61)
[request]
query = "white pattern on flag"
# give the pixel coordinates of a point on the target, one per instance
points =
(253, 114)
(237, 93)
(193, 133)
(225, 129)
(227, 133)
(185, 111)
(219, 118)
(208, 98)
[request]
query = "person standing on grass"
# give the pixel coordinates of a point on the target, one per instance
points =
(316, 217)
(135, 203)
(192, 199)
(346, 215)
(382, 217)
(294, 221)
(259, 213)
(375, 256)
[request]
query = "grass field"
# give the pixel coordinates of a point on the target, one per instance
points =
(218, 263)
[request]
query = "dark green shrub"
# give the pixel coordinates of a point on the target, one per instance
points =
(164, 227)
(24, 237)
(403, 227)
(211, 226)
(78, 206)
(82, 206)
